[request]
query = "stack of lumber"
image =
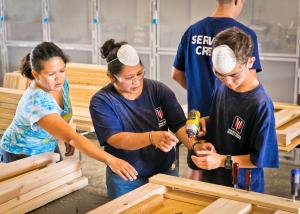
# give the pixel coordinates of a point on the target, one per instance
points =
(15, 80)
(287, 123)
(169, 194)
(9, 99)
(85, 80)
(32, 182)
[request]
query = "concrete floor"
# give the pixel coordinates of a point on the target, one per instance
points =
(94, 195)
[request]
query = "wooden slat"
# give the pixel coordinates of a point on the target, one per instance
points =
(12, 93)
(282, 212)
(6, 99)
(146, 206)
(225, 206)
(37, 179)
(50, 196)
(39, 191)
(130, 199)
(285, 115)
(285, 136)
(280, 106)
(227, 192)
(203, 200)
(15, 80)
(27, 164)
(6, 116)
(291, 146)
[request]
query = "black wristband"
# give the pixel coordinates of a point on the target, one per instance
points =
(193, 146)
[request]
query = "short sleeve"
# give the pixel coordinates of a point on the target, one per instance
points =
(40, 105)
(105, 120)
(256, 65)
(179, 62)
(264, 148)
(171, 108)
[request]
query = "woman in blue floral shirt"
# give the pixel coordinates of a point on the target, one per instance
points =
(44, 111)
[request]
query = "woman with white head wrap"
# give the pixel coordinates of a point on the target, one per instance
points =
(132, 116)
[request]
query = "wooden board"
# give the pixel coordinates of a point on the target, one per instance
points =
(169, 194)
(287, 120)
(39, 191)
(285, 115)
(134, 197)
(39, 178)
(50, 196)
(254, 198)
(27, 164)
(9, 99)
(225, 206)
(15, 80)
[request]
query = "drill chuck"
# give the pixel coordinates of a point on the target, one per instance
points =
(193, 123)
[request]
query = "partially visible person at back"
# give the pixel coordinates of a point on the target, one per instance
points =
(241, 124)
(43, 113)
(192, 67)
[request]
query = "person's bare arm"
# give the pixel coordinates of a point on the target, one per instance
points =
(179, 76)
(163, 140)
(57, 127)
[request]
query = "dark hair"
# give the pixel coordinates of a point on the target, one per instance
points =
(109, 52)
(41, 53)
(239, 41)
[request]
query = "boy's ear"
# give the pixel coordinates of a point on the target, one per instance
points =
(250, 62)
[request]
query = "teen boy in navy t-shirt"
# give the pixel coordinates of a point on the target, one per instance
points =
(241, 125)
(192, 67)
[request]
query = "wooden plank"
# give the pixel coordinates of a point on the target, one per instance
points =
(10, 100)
(282, 212)
(227, 192)
(8, 111)
(285, 115)
(39, 191)
(27, 164)
(6, 116)
(50, 196)
(291, 146)
(37, 179)
(146, 206)
(177, 207)
(8, 106)
(285, 136)
(279, 105)
(12, 93)
(130, 199)
(225, 206)
(192, 198)
(15, 80)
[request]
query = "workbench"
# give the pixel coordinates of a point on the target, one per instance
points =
(168, 194)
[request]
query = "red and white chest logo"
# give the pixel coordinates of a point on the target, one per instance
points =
(238, 124)
(159, 114)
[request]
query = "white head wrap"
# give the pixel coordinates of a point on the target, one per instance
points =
(127, 55)
(223, 59)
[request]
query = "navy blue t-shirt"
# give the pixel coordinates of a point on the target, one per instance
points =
(157, 109)
(193, 58)
(240, 124)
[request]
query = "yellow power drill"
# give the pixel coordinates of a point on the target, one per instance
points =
(193, 123)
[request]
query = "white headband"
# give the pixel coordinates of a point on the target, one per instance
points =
(30, 58)
(223, 59)
(127, 55)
